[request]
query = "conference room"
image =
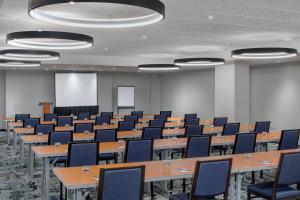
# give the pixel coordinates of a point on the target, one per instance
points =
(149, 100)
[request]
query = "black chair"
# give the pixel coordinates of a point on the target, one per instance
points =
(157, 123)
(21, 117)
(84, 116)
(193, 130)
(211, 179)
(133, 118)
(121, 183)
(152, 133)
(231, 129)
(261, 127)
(191, 122)
(167, 113)
(220, 121)
(43, 128)
(107, 114)
(84, 127)
(190, 116)
(244, 143)
(106, 135)
(65, 121)
(102, 120)
(126, 125)
(289, 139)
(83, 154)
(50, 117)
(161, 117)
(287, 175)
(139, 114)
(30, 122)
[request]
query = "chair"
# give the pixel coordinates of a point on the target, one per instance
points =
(198, 146)
(289, 139)
(65, 121)
(231, 129)
(220, 121)
(21, 117)
(126, 125)
(288, 174)
(30, 122)
(107, 114)
(161, 117)
(106, 135)
(121, 183)
(50, 117)
(157, 123)
(193, 130)
(43, 128)
(244, 143)
(190, 116)
(261, 127)
(191, 122)
(211, 179)
(167, 113)
(131, 118)
(83, 154)
(139, 114)
(84, 127)
(84, 116)
(102, 120)
(152, 133)
(62, 137)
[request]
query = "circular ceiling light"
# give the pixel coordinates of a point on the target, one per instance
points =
(49, 40)
(98, 13)
(158, 67)
(199, 62)
(264, 53)
(28, 55)
(10, 63)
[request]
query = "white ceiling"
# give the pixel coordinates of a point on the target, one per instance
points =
(192, 28)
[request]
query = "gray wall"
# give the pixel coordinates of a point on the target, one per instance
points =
(189, 92)
(275, 94)
(2, 96)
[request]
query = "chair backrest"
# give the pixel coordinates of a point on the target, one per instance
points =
(107, 114)
(102, 120)
(21, 117)
(191, 122)
(65, 121)
(244, 143)
(152, 133)
(83, 127)
(50, 117)
(220, 121)
(168, 113)
(133, 118)
(43, 128)
(261, 127)
(105, 135)
(211, 178)
(62, 137)
(121, 183)
(231, 129)
(126, 125)
(289, 139)
(138, 150)
(139, 114)
(83, 154)
(161, 117)
(198, 146)
(190, 116)
(193, 130)
(84, 116)
(30, 122)
(157, 123)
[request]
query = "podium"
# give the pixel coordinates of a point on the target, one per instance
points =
(46, 107)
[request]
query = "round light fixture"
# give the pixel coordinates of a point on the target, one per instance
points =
(98, 13)
(28, 55)
(158, 67)
(11, 63)
(199, 62)
(264, 53)
(49, 40)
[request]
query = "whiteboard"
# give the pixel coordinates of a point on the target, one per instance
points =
(125, 96)
(75, 89)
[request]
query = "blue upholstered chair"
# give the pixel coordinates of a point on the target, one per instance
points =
(83, 127)
(167, 113)
(288, 174)
(100, 120)
(231, 129)
(61, 137)
(121, 183)
(21, 117)
(198, 146)
(157, 123)
(30, 122)
(126, 125)
(289, 139)
(107, 114)
(84, 116)
(83, 154)
(65, 121)
(106, 135)
(190, 116)
(161, 117)
(139, 114)
(244, 143)
(138, 150)
(220, 121)
(133, 118)
(191, 122)
(261, 127)
(43, 128)
(193, 130)
(152, 133)
(211, 179)
(50, 117)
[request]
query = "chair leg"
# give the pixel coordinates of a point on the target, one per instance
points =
(183, 185)
(261, 174)
(152, 190)
(248, 196)
(253, 178)
(171, 184)
(61, 191)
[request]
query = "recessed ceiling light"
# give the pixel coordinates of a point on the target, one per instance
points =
(144, 37)
(98, 13)
(28, 55)
(49, 40)
(106, 49)
(199, 62)
(264, 53)
(10, 63)
(46, 69)
(158, 67)
(210, 17)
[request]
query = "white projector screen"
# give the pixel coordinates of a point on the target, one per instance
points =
(75, 89)
(125, 96)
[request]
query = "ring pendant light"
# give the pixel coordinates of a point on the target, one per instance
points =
(49, 40)
(199, 62)
(158, 67)
(28, 55)
(10, 63)
(98, 13)
(264, 53)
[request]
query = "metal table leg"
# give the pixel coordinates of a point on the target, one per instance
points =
(238, 185)
(22, 153)
(45, 177)
(232, 187)
(30, 161)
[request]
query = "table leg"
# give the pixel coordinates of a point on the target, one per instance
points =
(7, 131)
(30, 162)
(22, 153)
(45, 177)
(238, 185)
(232, 187)
(14, 140)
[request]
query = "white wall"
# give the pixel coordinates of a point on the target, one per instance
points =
(189, 92)
(275, 94)
(2, 96)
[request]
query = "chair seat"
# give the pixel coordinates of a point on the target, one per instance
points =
(61, 159)
(265, 190)
(107, 156)
(184, 196)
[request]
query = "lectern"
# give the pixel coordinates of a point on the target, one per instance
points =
(46, 107)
